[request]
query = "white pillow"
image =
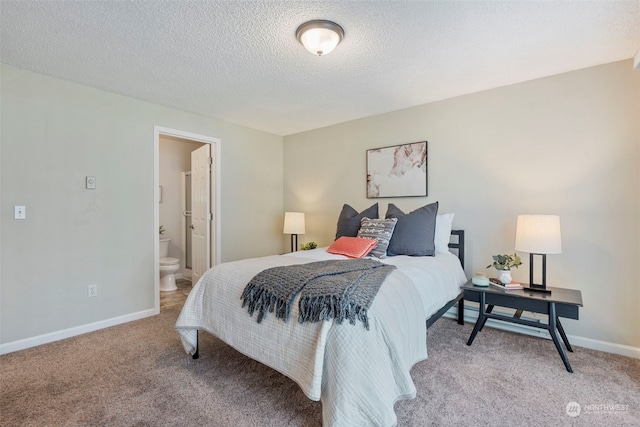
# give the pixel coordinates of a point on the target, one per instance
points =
(443, 232)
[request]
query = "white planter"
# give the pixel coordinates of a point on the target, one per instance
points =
(504, 276)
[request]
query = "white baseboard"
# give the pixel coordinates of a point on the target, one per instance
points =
(623, 350)
(471, 315)
(10, 347)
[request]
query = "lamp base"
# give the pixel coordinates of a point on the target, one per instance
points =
(538, 288)
(542, 289)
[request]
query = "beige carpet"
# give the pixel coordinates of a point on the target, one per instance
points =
(138, 375)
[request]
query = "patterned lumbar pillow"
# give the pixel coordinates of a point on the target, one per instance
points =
(380, 230)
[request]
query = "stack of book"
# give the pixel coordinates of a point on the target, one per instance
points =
(513, 286)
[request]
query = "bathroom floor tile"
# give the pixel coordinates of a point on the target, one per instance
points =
(177, 297)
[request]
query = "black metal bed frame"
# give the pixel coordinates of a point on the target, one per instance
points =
(459, 247)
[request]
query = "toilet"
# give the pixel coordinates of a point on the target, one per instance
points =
(168, 268)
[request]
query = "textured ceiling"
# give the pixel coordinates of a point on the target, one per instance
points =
(239, 61)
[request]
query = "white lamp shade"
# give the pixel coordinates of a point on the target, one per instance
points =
(293, 223)
(319, 41)
(320, 36)
(539, 234)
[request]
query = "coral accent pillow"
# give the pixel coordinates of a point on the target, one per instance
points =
(353, 247)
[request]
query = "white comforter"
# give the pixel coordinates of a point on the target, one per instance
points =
(357, 374)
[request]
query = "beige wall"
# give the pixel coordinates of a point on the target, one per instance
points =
(567, 144)
(54, 133)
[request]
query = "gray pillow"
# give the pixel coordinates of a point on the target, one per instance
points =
(380, 230)
(349, 220)
(414, 232)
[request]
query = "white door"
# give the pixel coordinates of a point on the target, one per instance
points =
(200, 210)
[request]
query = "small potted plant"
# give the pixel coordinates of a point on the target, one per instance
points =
(308, 246)
(503, 264)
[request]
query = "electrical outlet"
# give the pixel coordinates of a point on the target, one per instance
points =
(93, 290)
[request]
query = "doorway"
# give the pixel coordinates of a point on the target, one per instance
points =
(207, 233)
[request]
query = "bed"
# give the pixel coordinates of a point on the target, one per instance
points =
(357, 374)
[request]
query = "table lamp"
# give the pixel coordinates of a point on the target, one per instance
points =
(294, 225)
(538, 235)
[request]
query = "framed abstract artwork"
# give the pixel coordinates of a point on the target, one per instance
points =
(397, 171)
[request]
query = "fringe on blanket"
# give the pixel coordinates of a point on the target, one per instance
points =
(327, 307)
(262, 300)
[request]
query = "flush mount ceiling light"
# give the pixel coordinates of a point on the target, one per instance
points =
(319, 37)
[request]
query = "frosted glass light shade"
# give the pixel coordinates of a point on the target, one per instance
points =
(319, 37)
(539, 234)
(293, 223)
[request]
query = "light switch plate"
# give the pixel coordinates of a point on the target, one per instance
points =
(91, 183)
(19, 212)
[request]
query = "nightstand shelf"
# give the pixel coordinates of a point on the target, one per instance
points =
(559, 303)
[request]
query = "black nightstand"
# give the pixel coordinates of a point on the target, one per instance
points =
(559, 303)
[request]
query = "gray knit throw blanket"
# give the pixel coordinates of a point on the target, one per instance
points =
(336, 289)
